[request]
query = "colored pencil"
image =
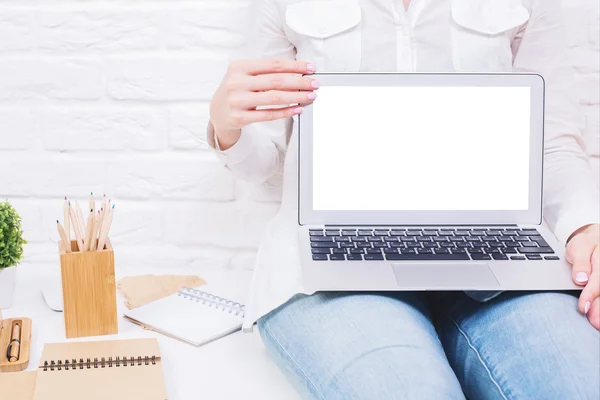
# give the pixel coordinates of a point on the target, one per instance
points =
(67, 221)
(96, 233)
(81, 220)
(103, 206)
(106, 228)
(88, 231)
(99, 221)
(92, 202)
(107, 209)
(66, 246)
(76, 228)
(90, 235)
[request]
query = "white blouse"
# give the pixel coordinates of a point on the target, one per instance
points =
(433, 35)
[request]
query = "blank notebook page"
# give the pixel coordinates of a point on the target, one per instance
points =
(195, 316)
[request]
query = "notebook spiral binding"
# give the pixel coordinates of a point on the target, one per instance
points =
(211, 300)
(88, 363)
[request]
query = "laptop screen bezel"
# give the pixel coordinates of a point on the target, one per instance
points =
(531, 216)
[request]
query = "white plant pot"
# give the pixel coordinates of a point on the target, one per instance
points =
(8, 279)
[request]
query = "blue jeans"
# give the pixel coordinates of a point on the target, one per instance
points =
(441, 346)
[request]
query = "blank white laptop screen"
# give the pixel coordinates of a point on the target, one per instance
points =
(421, 148)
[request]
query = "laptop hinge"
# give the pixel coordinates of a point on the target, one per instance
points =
(417, 225)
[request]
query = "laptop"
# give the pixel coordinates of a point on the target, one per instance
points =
(430, 181)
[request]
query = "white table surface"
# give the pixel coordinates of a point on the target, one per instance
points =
(234, 367)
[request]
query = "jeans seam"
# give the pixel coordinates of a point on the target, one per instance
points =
(489, 372)
(367, 353)
(294, 363)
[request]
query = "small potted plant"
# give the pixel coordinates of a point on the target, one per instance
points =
(11, 251)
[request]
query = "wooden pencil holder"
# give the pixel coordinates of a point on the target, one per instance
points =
(6, 331)
(89, 292)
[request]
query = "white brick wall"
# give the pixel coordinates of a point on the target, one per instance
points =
(112, 96)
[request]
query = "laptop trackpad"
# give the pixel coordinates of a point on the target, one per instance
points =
(438, 275)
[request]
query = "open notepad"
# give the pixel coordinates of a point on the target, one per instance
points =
(193, 316)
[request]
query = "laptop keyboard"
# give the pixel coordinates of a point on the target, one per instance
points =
(408, 244)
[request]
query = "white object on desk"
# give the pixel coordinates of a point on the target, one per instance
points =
(52, 292)
(8, 278)
(195, 316)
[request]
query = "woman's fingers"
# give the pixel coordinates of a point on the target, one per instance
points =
(590, 293)
(272, 65)
(251, 100)
(593, 314)
(579, 251)
(252, 84)
(281, 82)
(250, 117)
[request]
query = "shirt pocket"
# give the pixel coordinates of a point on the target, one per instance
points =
(482, 32)
(326, 33)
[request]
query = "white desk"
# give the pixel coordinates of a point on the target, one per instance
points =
(234, 367)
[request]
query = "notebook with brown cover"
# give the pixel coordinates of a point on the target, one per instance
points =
(112, 369)
(18, 385)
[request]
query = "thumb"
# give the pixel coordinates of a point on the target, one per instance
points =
(592, 290)
(593, 314)
(579, 252)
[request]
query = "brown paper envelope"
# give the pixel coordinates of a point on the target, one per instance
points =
(143, 289)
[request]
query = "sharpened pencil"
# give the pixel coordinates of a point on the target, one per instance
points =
(67, 221)
(81, 220)
(92, 202)
(106, 228)
(95, 234)
(103, 205)
(105, 214)
(76, 228)
(88, 231)
(66, 246)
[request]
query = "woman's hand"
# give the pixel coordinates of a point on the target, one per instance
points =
(583, 251)
(248, 84)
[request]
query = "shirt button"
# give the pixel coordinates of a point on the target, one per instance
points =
(405, 31)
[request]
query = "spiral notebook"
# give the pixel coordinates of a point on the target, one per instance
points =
(194, 316)
(112, 369)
